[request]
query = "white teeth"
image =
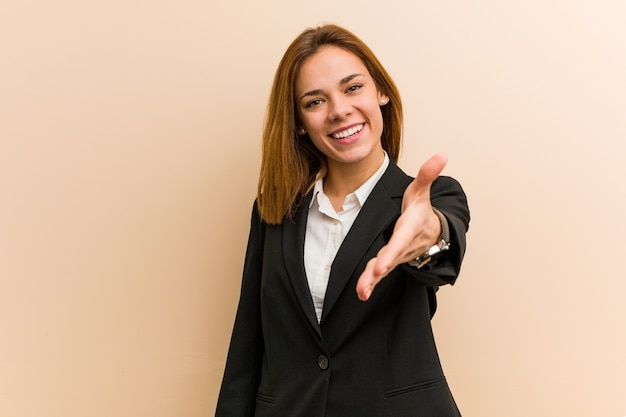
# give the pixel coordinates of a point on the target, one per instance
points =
(348, 132)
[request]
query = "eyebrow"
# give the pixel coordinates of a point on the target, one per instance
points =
(343, 81)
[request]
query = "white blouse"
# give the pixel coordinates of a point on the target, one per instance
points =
(325, 231)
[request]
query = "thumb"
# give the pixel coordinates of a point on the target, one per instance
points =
(430, 170)
(420, 186)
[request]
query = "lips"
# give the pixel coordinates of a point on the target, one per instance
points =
(353, 130)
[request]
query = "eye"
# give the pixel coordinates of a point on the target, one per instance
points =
(313, 103)
(353, 88)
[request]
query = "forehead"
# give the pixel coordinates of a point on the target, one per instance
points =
(327, 67)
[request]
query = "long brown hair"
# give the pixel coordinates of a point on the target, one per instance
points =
(290, 162)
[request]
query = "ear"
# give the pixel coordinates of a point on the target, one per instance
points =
(382, 99)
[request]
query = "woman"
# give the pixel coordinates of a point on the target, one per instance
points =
(345, 251)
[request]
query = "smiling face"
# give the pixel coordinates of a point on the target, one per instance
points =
(339, 107)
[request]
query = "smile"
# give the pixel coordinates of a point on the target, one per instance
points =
(348, 132)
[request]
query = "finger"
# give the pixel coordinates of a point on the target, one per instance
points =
(367, 281)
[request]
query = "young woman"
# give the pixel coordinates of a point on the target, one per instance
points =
(345, 251)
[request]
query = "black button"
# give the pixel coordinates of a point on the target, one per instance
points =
(322, 362)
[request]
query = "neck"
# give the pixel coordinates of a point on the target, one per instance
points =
(343, 179)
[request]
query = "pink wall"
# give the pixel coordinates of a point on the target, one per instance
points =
(129, 149)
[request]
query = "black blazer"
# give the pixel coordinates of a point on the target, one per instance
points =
(364, 359)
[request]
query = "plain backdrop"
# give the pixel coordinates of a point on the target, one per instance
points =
(129, 154)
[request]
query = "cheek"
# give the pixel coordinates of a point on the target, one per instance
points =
(378, 114)
(313, 123)
(318, 142)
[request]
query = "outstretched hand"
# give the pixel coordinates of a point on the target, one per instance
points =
(416, 230)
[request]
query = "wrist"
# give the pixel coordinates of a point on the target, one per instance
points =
(442, 244)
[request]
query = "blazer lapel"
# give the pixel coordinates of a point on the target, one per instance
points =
(293, 255)
(381, 209)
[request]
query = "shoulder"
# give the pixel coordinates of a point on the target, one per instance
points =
(396, 180)
(444, 185)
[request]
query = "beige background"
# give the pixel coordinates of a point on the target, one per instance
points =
(129, 149)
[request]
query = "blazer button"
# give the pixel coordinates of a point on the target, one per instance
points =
(322, 362)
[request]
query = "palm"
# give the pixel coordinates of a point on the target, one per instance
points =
(417, 228)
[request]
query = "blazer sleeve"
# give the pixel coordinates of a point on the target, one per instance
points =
(237, 397)
(447, 196)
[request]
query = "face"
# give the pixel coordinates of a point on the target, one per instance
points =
(339, 107)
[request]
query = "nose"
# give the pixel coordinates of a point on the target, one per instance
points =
(339, 108)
